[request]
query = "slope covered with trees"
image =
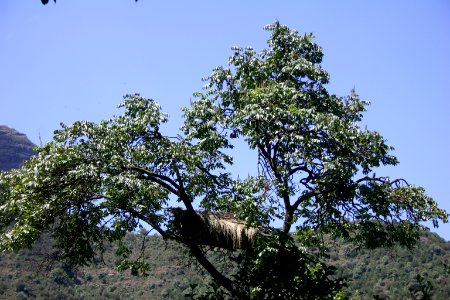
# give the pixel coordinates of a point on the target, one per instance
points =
(29, 274)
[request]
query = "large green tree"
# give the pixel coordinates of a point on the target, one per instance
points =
(314, 175)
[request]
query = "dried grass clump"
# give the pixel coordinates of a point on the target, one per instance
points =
(214, 229)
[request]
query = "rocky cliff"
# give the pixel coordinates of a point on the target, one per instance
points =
(15, 147)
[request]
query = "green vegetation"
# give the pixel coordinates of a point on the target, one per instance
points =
(315, 174)
(35, 273)
(392, 272)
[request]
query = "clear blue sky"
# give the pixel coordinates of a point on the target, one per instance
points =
(74, 60)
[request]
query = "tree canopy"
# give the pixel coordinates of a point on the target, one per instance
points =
(315, 175)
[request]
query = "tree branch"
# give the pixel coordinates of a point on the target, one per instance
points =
(162, 180)
(183, 195)
(138, 215)
(304, 197)
(208, 266)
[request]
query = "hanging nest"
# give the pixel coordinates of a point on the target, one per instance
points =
(214, 229)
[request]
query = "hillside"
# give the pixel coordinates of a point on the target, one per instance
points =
(15, 147)
(28, 275)
(36, 274)
(390, 272)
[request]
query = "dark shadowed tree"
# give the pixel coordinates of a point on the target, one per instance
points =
(314, 175)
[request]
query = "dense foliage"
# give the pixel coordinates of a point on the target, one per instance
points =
(315, 171)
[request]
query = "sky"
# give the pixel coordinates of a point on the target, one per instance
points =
(74, 60)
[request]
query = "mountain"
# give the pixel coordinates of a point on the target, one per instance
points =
(15, 147)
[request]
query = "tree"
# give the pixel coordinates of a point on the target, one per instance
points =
(315, 172)
(423, 290)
